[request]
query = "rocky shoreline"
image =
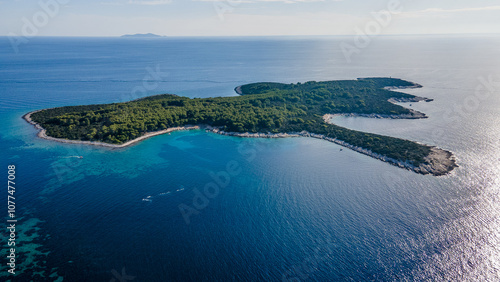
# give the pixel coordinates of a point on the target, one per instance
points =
(409, 100)
(414, 115)
(441, 162)
(238, 90)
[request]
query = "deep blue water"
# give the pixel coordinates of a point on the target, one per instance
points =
(292, 208)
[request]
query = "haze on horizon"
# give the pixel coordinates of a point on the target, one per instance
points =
(245, 17)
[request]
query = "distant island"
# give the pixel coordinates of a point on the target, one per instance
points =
(142, 35)
(267, 110)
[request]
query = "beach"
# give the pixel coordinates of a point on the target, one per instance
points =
(43, 134)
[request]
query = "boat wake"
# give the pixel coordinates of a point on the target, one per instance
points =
(68, 157)
(150, 198)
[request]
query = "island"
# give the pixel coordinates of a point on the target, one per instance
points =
(265, 110)
(142, 35)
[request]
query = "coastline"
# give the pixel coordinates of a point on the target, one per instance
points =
(441, 162)
(238, 90)
(412, 115)
(42, 134)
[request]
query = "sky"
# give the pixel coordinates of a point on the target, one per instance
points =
(247, 17)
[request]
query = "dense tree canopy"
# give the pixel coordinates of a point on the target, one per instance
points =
(262, 107)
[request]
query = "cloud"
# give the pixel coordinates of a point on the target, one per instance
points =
(439, 11)
(262, 1)
(192, 25)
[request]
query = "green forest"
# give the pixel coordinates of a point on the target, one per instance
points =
(261, 107)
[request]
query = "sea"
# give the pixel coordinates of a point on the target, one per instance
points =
(197, 206)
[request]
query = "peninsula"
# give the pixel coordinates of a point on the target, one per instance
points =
(268, 109)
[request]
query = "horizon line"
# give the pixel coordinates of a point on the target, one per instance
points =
(235, 36)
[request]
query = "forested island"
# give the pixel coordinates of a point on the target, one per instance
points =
(265, 109)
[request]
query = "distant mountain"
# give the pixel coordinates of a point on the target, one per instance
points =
(142, 35)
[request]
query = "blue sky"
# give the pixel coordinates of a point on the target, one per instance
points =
(246, 17)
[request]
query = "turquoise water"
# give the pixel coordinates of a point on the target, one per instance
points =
(295, 208)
